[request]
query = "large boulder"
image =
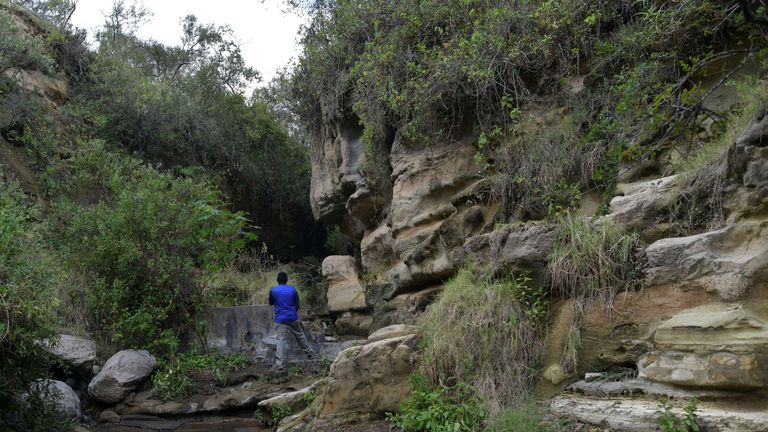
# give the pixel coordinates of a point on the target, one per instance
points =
(122, 373)
(61, 396)
(732, 261)
(371, 379)
(344, 290)
(75, 352)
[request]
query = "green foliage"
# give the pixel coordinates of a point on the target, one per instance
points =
(503, 319)
(139, 235)
(528, 417)
(183, 106)
(172, 382)
(28, 278)
(429, 71)
(280, 411)
(18, 49)
(439, 408)
(670, 422)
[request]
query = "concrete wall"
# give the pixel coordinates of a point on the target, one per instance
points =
(251, 330)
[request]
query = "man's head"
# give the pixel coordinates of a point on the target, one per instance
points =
(282, 278)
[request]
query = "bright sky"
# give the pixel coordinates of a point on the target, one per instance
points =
(267, 34)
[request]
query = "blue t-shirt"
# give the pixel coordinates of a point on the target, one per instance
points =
(285, 299)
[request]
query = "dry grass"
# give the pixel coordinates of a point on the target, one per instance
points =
(478, 332)
(591, 265)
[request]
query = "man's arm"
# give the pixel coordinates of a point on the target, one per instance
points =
(297, 299)
(271, 299)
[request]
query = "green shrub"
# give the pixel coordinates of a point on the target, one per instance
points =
(28, 280)
(503, 319)
(140, 236)
(440, 408)
(670, 422)
(171, 381)
(528, 417)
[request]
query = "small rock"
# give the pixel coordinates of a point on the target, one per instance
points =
(592, 376)
(109, 416)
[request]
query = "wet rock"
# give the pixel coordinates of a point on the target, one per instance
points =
(75, 352)
(732, 261)
(296, 422)
(121, 374)
(370, 379)
(344, 291)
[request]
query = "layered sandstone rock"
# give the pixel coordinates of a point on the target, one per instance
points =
(344, 290)
(731, 262)
(369, 380)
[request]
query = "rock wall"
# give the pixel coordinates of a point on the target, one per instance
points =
(697, 328)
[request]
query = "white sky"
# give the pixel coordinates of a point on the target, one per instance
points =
(268, 35)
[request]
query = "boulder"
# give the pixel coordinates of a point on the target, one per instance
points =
(344, 290)
(732, 261)
(370, 379)
(61, 396)
(121, 374)
(717, 370)
(403, 309)
(514, 248)
(75, 352)
(353, 324)
(395, 330)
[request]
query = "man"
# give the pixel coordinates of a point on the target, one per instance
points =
(285, 300)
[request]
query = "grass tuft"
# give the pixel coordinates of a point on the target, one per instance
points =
(495, 340)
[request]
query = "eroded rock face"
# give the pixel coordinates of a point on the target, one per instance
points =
(370, 379)
(746, 190)
(344, 290)
(76, 352)
(516, 248)
(732, 261)
(353, 324)
(412, 234)
(403, 309)
(396, 330)
(641, 206)
(122, 373)
(337, 162)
